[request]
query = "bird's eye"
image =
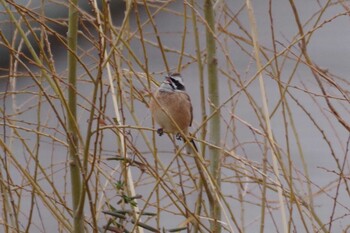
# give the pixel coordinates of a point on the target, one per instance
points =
(178, 84)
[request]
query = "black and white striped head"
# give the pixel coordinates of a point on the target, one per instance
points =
(173, 82)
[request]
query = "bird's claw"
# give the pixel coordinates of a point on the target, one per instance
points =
(160, 131)
(178, 136)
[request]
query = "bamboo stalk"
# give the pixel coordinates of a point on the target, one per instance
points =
(214, 124)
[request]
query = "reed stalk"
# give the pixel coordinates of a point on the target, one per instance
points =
(199, 200)
(266, 114)
(118, 102)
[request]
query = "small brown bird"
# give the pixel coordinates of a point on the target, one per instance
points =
(172, 100)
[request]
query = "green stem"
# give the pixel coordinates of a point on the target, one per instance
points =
(75, 166)
(214, 125)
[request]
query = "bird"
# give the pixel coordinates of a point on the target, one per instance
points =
(172, 110)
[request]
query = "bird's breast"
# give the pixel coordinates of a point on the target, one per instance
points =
(174, 104)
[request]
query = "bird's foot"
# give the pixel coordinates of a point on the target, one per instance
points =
(178, 136)
(160, 131)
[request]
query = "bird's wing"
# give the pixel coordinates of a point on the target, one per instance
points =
(191, 108)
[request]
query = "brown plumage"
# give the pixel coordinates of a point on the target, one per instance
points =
(171, 108)
(177, 105)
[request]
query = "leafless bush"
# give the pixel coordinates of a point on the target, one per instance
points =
(284, 136)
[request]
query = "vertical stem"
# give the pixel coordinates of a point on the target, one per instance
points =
(183, 42)
(9, 212)
(155, 28)
(72, 117)
(214, 125)
(267, 115)
(118, 107)
(203, 109)
(38, 128)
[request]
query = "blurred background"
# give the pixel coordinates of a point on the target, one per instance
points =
(308, 101)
